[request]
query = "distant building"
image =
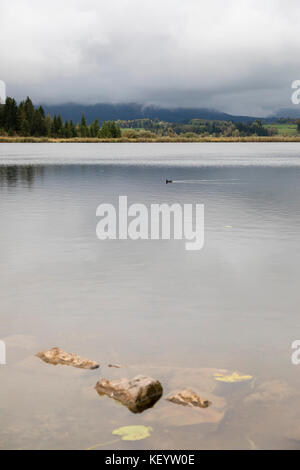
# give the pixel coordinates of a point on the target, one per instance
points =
(2, 92)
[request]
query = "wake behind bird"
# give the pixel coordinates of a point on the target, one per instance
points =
(219, 181)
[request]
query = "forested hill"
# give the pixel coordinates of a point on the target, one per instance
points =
(126, 112)
(26, 120)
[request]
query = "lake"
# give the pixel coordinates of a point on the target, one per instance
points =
(151, 306)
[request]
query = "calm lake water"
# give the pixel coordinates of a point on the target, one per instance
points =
(151, 306)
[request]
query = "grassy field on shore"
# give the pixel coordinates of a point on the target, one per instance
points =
(288, 129)
(179, 139)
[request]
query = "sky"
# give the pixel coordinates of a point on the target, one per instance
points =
(237, 56)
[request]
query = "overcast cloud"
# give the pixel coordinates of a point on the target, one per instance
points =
(239, 56)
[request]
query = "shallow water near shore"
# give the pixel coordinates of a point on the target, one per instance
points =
(151, 306)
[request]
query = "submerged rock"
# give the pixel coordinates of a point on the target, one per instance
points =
(188, 398)
(270, 392)
(177, 378)
(57, 356)
(137, 394)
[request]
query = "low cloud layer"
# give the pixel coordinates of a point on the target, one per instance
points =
(239, 56)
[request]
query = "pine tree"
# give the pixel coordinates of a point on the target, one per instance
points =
(25, 130)
(94, 128)
(41, 111)
(83, 127)
(54, 127)
(60, 126)
(38, 127)
(115, 130)
(48, 123)
(10, 115)
(29, 110)
(73, 129)
(66, 130)
(106, 130)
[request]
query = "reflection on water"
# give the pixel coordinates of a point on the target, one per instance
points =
(14, 175)
(150, 305)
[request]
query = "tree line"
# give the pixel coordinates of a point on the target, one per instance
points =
(27, 121)
(195, 128)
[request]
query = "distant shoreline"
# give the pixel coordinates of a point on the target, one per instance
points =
(253, 139)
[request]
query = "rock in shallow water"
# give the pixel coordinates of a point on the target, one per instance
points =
(137, 394)
(188, 398)
(57, 356)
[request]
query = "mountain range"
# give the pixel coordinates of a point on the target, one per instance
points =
(130, 111)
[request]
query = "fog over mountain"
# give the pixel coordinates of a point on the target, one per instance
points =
(293, 113)
(129, 111)
(112, 112)
(238, 56)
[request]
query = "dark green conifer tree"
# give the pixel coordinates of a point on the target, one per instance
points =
(83, 127)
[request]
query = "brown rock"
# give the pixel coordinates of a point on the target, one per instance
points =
(137, 394)
(167, 414)
(57, 356)
(189, 398)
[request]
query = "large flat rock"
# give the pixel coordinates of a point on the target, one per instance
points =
(137, 394)
(57, 356)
